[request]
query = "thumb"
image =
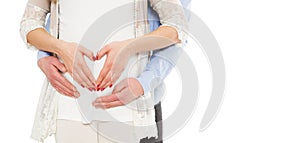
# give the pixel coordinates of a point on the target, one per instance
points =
(60, 66)
(87, 53)
(120, 86)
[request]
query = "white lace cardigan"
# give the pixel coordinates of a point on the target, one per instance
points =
(46, 113)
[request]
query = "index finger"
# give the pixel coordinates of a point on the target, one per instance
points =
(88, 73)
(108, 98)
(104, 72)
(62, 80)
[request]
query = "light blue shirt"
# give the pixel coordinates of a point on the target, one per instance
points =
(161, 62)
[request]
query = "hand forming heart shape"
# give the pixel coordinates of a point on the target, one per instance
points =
(117, 56)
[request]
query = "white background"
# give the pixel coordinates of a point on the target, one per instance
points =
(260, 43)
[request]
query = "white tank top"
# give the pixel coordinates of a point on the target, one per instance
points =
(75, 18)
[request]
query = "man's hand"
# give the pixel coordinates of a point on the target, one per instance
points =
(124, 92)
(53, 68)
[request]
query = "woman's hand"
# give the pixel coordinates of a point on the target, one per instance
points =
(72, 56)
(117, 55)
(124, 92)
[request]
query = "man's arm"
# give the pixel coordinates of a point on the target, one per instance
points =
(161, 64)
(53, 70)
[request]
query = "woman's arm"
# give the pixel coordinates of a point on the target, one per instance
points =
(162, 37)
(42, 40)
(173, 22)
(70, 53)
(172, 30)
(35, 36)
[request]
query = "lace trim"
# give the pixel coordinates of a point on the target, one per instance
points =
(172, 16)
(45, 118)
(180, 33)
(33, 18)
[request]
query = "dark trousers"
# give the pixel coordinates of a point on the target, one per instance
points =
(158, 120)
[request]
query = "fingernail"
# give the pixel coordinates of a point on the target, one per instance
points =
(77, 94)
(82, 86)
(110, 86)
(102, 89)
(90, 89)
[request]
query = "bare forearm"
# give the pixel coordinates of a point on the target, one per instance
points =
(160, 38)
(166, 32)
(42, 40)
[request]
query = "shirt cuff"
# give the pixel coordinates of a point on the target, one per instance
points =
(145, 80)
(42, 54)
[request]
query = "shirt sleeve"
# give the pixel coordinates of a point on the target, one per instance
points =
(171, 13)
(33, 18)
(42, 54)
(160, 65)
